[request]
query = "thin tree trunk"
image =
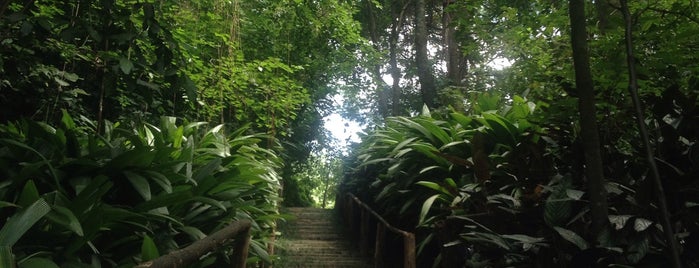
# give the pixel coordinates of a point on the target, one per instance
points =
(453, 55)
(603, 11)
(650, 157)
(395, 71)
(424, 69)
(381, 87)
(588, 119)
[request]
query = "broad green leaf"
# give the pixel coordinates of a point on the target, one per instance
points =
(557, 208)
(463, 120)
(125, 65)
(426, 206)
(207, 170)
(619, 221)
(142, 157)
(67, 120)
(65, 218)
(641, 224)
(91, 194)
(38, 263)
(193, 232)
(572, 237)
(435, 131)
(209, 201)
(139, 183)
(161, 180)
(402, 144)
(148, 249)
(504, 130)
(7, 259)
(258, 249)
(524, 238)
(29, 194)
(19, 223)
(176, 197)
(4, 204)
(434, 186)
(426, 111)
(638, 249)
(574, 194)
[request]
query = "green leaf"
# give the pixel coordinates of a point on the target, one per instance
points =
(176, 197)
(139, 183)
(464, 121)
(557, 208)
(67, 120)
(6, 257)
(207, 170)
(574, 194)
(29, 194)
(426, 208)
(148, 249)
(4, 204)
(193, 232)
(638, 250)
(125, 65)
(38, 263)
(65, 218)
(572, 237)
(260, 251)
(18, 224)
(641, 224)
(619, 221)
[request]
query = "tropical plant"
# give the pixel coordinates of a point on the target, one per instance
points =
(134, 192)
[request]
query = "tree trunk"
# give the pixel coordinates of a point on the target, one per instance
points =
(603, 11)
(424, 69)
(395, 72)
(398, 16)
(650, 157)
(588, 119)
(453, 56)
(381, 87)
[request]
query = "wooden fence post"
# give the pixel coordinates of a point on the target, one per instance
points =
(378, 251)
(409, 251)
(240, 250)
(364, 233)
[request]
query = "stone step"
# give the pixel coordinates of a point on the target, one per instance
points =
(313, 240)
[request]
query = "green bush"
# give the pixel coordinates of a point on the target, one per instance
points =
(131, 193)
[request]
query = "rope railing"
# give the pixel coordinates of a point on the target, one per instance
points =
(366, 213)
(238, 233)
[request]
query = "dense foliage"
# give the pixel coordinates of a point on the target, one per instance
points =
(486, 185)
(75, 199)
(481, 129)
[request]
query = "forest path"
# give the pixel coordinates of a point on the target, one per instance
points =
(314, 239)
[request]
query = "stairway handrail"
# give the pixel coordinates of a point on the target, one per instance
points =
(237, 232)
(408, 237)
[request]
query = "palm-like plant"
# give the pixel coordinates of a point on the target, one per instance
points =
(112, 198)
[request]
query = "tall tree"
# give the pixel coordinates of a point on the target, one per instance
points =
(594, 172)
(424, 68)
(668, 229)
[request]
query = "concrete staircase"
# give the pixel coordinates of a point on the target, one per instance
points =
(313, 240)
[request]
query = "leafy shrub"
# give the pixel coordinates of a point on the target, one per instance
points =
(491, 189)
(130, 194)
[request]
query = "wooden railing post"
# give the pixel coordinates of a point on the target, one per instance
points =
(378, 250)
(382, 226)
(409, 250)
(241, 248)
(364, 233)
